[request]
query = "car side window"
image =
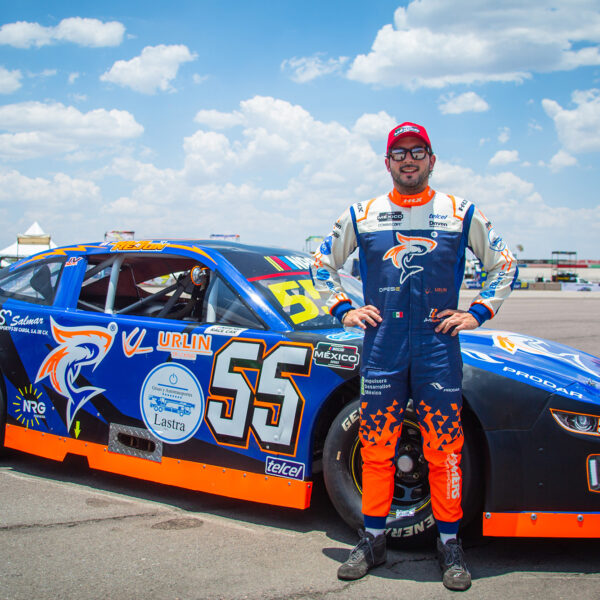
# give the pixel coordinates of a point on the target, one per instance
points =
(36, 283)
(223, 305)
(163, 287)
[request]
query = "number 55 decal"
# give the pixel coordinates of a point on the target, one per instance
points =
(271, 407)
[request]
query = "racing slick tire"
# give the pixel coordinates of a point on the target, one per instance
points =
(411, 522)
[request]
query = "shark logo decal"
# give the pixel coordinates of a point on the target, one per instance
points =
(513, 342)
(78, 347)
(402, 254)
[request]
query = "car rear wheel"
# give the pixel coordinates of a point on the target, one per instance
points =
(411, 521)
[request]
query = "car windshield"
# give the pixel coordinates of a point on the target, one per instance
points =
(284, 280)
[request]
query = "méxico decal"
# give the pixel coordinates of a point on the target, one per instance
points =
(402, 254)
(78, 348)
(337, 356)
(253, 391)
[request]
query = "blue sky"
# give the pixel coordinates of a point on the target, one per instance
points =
(266, 119)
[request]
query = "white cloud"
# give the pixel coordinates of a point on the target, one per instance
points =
(77, 30)
(288, 174)
(578, 129)
(61, 204)
(89, 32)
(10, 81)
(374, 126)
(435, 44)
(153, 70)
(308, 68)
(467, 102)
(73, 77)
(504, 157)
(561, 160)
(519, 213)
(43, 129)
(219, 120)
(60, 190)
(504, 135)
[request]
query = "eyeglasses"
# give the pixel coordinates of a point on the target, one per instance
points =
(399, 154)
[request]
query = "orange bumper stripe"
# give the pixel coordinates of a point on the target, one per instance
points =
(187, 474)
(542, 524)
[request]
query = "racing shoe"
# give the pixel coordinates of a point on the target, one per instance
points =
(455, 575)
(368, 553)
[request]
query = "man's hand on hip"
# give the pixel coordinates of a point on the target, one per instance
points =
(357, 317)
(455, 321)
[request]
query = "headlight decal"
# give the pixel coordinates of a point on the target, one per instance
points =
(577, 422)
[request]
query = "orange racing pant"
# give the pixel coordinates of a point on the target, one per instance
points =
(437, 400)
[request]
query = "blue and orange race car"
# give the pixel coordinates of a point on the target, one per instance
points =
(217, 367)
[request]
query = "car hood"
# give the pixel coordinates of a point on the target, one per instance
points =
(541, 363)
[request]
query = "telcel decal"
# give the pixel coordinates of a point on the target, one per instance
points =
(284, 468)
(78, 347)
(172, 403)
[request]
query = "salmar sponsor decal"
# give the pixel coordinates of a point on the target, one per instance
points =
(337, 356)
(20, 323)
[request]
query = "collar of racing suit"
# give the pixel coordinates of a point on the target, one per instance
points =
(413, 200)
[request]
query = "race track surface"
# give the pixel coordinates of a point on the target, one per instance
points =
(68, 532)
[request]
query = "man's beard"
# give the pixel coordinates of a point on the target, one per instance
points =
(418, 184)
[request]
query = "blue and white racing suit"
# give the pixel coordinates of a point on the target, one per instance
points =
(412, 262)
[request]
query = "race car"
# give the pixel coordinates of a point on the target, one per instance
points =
(216, 367)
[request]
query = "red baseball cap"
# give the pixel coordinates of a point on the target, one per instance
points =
(407, 129)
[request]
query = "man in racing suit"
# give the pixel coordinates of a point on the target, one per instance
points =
(411, 246)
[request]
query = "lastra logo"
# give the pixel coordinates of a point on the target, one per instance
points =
(78, 347)
(402, 254)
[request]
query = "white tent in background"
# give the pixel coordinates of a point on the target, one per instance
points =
(28, 243)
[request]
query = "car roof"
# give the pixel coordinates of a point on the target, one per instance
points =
(222, 247)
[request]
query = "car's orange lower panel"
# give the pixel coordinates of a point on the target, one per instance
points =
(170, 471)
(542, 524)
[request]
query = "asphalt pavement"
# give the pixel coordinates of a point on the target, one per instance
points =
(69, 532)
